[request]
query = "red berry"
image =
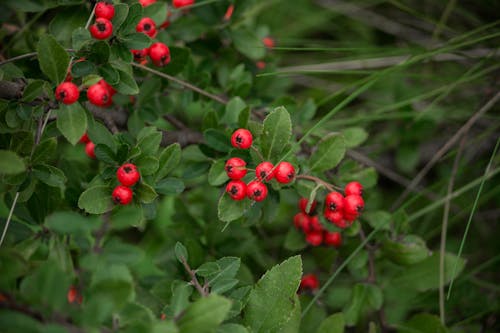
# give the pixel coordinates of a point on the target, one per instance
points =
(182, 3)
(67, 92)
(128, 174)
(148, 26)
(268, 42)
(314, 224)
(333, 216)
(260, 64)
(315, 238)
(353, 188)
(241, 138)
(104, 10)
(74, 296)
(84, 138)
(101, 29)
(237, 189)
(309, 281)
(236, 168)
(351, 217)
(354, 204)
(146, 3)
(122, 195)
(110, 88)
(264, 171)
(334, 201)
(303, 205)
(342, 224)
(229, 12)
(256, 191)
(159, 54)
(98, 95)
(284, 172)
(301, 221)
(333, 238)
(89, 149)
(140, 55)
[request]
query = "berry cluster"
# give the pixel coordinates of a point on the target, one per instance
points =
(89, 145)
(236, 169)
(343, 210)
(128, 176)
(102, 27)
(309, 223)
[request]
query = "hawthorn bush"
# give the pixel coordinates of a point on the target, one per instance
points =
(248, 166)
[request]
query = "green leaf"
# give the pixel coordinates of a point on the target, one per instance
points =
(115, 283)
(136, 41)
(121, 12)
(33, 90)
(234, 108)
(180, 57)
(80, 38)
(72, 122)
(230, 210)
(248, 43)
(96, 200)
(147, 165)
(272, 300)
(169, 159)
(109, 74)
(329, 153)
(70, 223)
(423, 323)
(333, 324)
(408, 251)
(53, 59)
(232, 328)
(181, 252)
(222, 269)
(11, 163)
(181, 291)
(127, 216)
(65, 22)
(204, 315)
(127, 84)
(145, 193)
(99, 52)
(105, 154)
(44, 151)
(133, 17)
(217, 174)
(379, 219)
(294, 240)
(157, 12)
(354, 136)
(49, 175)
(99, 134)
(276, 134)
(148, 140)
(364, 297)
(170, 186)
(83, 68)
(217, 140)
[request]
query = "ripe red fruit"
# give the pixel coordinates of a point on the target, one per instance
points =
(353, 188)
(140, 55)
(314, 224)
(309, 281)
(67, 92)
(101, 29)
(237, 189)
(106, 85)
(84, 138)
(301, 221)
(122, 195)
(98, 95)
(236, 168)
(146, 3)
(89, 149)
(74, 295)
(303, 205)
(256, 191)
(229, 12)
(333, 238)
(284, 172)
(333, 216)
(159, 54)
(104, 10)
(264, 171)
(241, 138)
(148, 26)
(315, 238)
(260, 64)
(128, 174)
(182, 3)
(334, 201)
(268, 42)
(354, 204)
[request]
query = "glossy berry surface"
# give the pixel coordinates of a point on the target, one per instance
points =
(122, 195)
(146, 3)
(334, 201)
(333, 216)
(333, 239)
(301, 221)
(67, 93)
(89, 149)
(309, 281)
(182, 3)
(242, 139)
(353, 188)
(354, 204)
(284, 172)
(237, 189)
(109, 87)
(314, 224)
(128, 174)
(98, 95)
(140, 55)
(303, 205)
(315, 238)
(84, 138)
(104, 10)
(236, 168)
(256, 191)
(147, 26)
(159, 54)
(101, 29)
(264, 171)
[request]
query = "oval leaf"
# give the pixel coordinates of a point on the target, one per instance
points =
(72, 122)
(276, 134)
(96, 200)
(330, 152)
(53, 59)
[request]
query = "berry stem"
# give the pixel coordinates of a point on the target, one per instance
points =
(328, 186)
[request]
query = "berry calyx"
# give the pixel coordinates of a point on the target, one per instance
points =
(98, 94)
(67, 93)
(122, 195)
(84, 138)
(236, 168)
(101, 29)
(159, 54)
(140, 55)
(128, 174)
(242, 139)
(104, 10)
(333, 239)
(303, 205)
(236, 189)
(182, 3)
(256, 191)
(353, 188)
(264, 171)
(354, 204)
(301, 221)
(309, 281)
(334, 201)
(284, 172)
(147, 26)
(315, 238)
(89, 149)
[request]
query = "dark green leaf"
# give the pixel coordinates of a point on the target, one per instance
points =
(11, 163)
(333, 324)
(170, 186)
(230, 210)
(181, 291)
(114, 282)
(204, 315)
(44, 151)
(33, 90)
(70, 223)
(136, 41)
(49, 175)
(408, 251)
(179, 59)
(329, 153)
(127, 216)
(72, 121)
(181, 252)
(148, 140)
(133, 17)
(65, 22)
(364, 297)
(217, 174)
(80, 38)
(109, 74)
(248, 43)
(127, 84)
(276, 134)
(354, 136)
(99, 52)
(99, 134)
(145, 193)
(157, 12)
(82, 68)
(234, 108)
(217, 140)
(147, 165)
(105, 154)
(423, 323)
(121, 12)
(53, 59)
(96, 200)
(169, 159)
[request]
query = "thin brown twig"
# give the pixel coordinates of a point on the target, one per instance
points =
(194, 281)
(317, 180)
